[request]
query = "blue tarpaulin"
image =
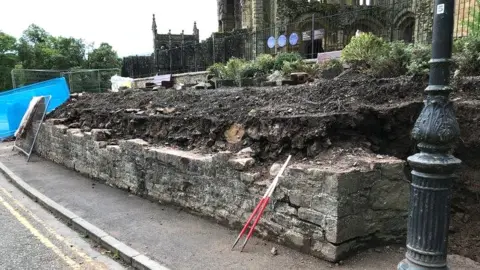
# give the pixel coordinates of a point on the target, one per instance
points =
(14, 103)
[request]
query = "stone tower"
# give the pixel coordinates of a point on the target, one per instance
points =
(174, 52)
(229, 15)
(155, 45)
(196, 32)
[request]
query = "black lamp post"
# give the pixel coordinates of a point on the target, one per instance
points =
(436, 130)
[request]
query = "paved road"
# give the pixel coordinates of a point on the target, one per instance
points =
(31, 238)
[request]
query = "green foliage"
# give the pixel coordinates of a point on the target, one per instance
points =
(252, 70)
(467, 57)
(393, 64)
(420, 55)
(283, 58)
(299, 66)
(218, 70)
(103, 57)
(293, 8)
(386, 59)
(37, 49)
(265, 63)
(363, 51)
(234, 69)
(458, 45)
(8, 59)
(331, 66)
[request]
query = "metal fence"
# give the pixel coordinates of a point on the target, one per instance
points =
(91, 80)
(24, 77)
(95, 80)
(329, 28)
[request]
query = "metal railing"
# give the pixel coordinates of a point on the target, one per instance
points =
(82, 80)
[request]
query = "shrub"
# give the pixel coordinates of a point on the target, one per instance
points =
(251, 70)
(234, 69)
(394, 63)
(282, 58)
(265, 63)
(467, 57)
(310, 69)
(420, 55)
(289, 67)
(331, 68)
(458, 44)
(364, 50)
(218, 70)
(299, 66)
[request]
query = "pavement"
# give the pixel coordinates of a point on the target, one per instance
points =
(169, 235)
(31, 238)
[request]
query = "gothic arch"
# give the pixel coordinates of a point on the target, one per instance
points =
(303, 23)
(402, 16)
(367, 24)
(405, 24)
(305, 20)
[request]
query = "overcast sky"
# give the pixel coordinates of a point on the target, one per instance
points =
(126, 25)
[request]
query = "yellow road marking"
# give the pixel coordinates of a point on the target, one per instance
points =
(39, 236)
(84, 256)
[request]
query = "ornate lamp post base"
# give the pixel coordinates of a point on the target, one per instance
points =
(407, 265)
(436, 130)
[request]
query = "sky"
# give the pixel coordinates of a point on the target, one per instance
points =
(126, 25)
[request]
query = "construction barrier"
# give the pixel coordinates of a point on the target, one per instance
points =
(14, 103)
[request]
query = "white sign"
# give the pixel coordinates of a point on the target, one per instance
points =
(440, 8)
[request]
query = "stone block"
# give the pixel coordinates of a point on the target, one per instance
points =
(285, 209)
(299, 198)
(59, 129)
(297, 239)
(249, 177)
(241, 164)
(325, 203)
(299, 77)
(274, 169)
(100, 134)
(312, 216)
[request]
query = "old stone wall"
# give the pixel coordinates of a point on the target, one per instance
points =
(185, 78)
(325, 211)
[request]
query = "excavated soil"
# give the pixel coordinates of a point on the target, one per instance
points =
(321, 121)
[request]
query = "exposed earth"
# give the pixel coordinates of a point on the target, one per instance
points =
(322, 121)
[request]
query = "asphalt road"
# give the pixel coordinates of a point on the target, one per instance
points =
(32, 238)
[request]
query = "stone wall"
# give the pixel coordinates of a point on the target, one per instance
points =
(185, 78)
(325, 211)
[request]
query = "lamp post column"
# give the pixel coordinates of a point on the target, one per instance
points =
(436, 130)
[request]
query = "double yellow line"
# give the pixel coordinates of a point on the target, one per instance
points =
(43, 239)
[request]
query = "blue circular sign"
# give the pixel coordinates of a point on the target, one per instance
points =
(293, 39)
(271, 42)
(282, 40)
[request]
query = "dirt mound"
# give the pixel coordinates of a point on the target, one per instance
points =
(351, 114)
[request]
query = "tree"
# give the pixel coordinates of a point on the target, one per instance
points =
(39, 50)
(103, 57)
(8, 58)
(68, 53)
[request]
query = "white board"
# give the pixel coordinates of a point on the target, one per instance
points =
(28, 114)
